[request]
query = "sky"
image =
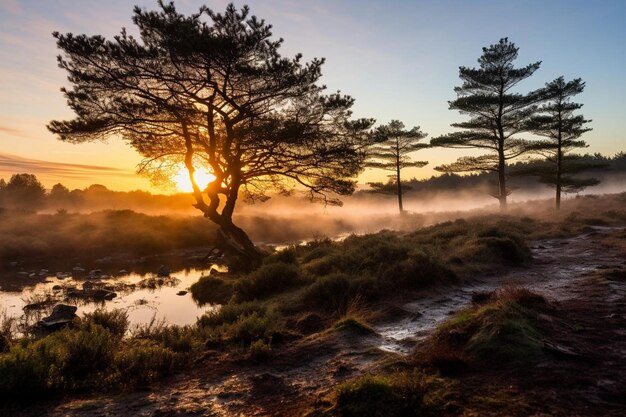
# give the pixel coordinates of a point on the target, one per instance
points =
(398, 59)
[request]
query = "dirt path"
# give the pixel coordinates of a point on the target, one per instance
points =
(305, 371)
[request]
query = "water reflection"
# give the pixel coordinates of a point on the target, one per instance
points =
(143, 296)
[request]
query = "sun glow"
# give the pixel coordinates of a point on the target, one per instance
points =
(202, 178)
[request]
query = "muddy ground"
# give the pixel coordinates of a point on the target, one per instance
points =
(590, 323)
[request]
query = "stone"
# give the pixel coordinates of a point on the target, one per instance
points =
(182, 292)
(100, 295)
(61, 315)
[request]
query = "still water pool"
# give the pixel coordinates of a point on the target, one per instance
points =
(143, 296)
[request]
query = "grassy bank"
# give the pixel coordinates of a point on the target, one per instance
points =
(30, 237)
(322, 287)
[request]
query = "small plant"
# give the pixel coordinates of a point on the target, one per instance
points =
(408, 393)
(115, 321)
(143, 361)
(260, 351)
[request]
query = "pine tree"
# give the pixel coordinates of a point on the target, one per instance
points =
(213, 92)
(497, 114)
(393, 144)
(562, 128)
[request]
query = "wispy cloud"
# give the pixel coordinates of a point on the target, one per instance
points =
(11, 164)
(13, 132)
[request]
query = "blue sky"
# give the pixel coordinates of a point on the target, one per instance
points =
(399, 59)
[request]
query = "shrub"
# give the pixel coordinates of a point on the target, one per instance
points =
(143, 361)
(286, 256)
(416, 272)
(229, 313)
(317, 253)
(241, 323)
(259, 351)
(331, 293)
(209, 289)
(115, 321)
(408, 393)
(70, 358)
(252, 327)
(179, 339)
(269, 279)
(87, 352)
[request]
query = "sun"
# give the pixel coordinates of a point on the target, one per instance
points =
(181, 179)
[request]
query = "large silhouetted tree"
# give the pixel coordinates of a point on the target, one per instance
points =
(212, 91)
(391, 152)
(562, 128)
(497, 114)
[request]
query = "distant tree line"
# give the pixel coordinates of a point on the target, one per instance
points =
(523, 174)
(26, 192)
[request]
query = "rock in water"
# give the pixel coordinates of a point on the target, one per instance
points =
(101, 295)
(182, 292)
(61, 315)
(163, 271)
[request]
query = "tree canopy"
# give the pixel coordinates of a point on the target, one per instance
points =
(390, 152)
(562, 129)
(497, 114)
(211, 90)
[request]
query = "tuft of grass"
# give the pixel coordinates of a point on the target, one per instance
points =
(503, 330)
(260, 351)
(354, 325)
(408, 393)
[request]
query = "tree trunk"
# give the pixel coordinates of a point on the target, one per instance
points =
(236, 243)
(399, 184)
(502, 179)
(559, 161)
